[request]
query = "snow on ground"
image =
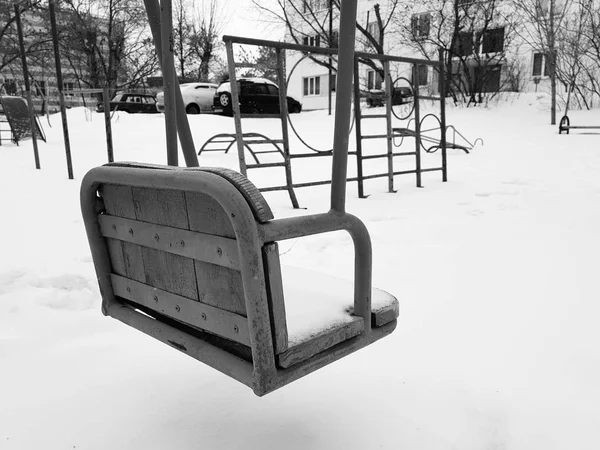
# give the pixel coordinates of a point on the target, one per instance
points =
(496, 347)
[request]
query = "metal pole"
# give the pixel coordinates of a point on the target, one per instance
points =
(358, 131)
(388, 122)
(32, 121)
(168, 71)
(343, 107)
(235, 106)
(183, 126)
(59, 81)
(107, 125)
(283, 111)
(415, 77)
(442, 76)
(330, 58)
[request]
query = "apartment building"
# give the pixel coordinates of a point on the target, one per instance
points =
(41, 64)
(489, 51)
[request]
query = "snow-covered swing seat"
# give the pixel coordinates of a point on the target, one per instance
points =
(190, 257)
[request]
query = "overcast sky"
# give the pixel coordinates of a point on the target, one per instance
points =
(245, 20)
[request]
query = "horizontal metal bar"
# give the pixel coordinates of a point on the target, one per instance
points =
(406, 172)
(198, 349)
(422, 62)
(404, 132)
(432, 169)
(374, 136)
(280, 45)
(191, 244)
(264, 152)
(263, 141)
(261, 165)
(313, 155)
(200, 315)
(429, 97)
(570, 127)
(296, 185)
(374, 116)
(383, 155)
(379, 175)
(260, 116)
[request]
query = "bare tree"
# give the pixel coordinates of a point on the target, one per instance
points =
(315, 22)
(182, 30)
(209, 20)
(35, 41)
(544, 21)
(115, 36)
(477, 39)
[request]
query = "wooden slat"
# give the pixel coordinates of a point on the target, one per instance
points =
(217, 285)
(275, 296)
(221, 287)
(215, 320)
(203, 247)
(322, 341)
(165, 270)
(118, 201)
(207, 216)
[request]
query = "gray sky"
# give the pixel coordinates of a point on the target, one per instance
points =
(244, 20)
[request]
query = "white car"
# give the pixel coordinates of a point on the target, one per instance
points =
(197, 98)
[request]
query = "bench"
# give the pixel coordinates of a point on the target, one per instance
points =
(190, 257)
(565, 125)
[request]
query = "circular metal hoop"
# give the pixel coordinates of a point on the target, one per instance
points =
(436, 144)
(310, 147)
(405, 109)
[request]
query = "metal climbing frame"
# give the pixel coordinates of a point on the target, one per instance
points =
(246, 140)
(393, 132)
(242, 138)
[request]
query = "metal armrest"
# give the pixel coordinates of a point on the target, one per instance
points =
(295, 227)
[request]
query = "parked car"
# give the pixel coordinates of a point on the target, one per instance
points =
(131, 103)
(400, 96)
(257, 96)
(197, 97)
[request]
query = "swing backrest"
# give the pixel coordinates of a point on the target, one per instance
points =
(174, 255)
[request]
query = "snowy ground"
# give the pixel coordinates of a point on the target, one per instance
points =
(496, 347)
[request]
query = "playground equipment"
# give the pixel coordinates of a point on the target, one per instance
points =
(18, 120)
(565, 122)
(407, 105)
(430, 143)
(190, 257)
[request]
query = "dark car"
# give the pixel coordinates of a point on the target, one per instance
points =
(257, 96)
(132, 103)
(400, 96)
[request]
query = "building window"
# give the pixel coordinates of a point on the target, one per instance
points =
(68, 86)
(374, 80)
(423, 72)
(10, 86)
(312, 86)
(309, 6)
(493, 41)
(420, 24)
(463, 44)
(313, 41)
(335, 38)
(373, 30)
(40, 88)
(540, 65)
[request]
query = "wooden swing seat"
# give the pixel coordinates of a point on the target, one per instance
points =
(190, 257)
